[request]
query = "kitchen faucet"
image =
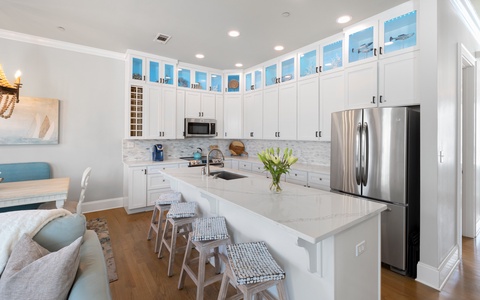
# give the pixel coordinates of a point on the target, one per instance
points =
(208, 159)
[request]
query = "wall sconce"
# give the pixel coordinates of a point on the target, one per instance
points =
(9, 94)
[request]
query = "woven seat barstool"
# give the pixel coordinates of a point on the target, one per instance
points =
(179, 218)
(208, 234)
(162, 205)
(251, 269)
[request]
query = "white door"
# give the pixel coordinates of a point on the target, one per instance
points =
(168, 113)
(270, 113)
(332, 99)
(287, 112)
(361, 85)
(308, 109)
(137, 189)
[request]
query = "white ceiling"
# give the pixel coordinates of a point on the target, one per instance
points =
(196, 26)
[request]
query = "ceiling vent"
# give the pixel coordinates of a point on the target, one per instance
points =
(162, 38)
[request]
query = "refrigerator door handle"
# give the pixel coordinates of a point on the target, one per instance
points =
(357, 153)
(364, 159)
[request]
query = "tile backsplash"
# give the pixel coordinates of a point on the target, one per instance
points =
(315, 153)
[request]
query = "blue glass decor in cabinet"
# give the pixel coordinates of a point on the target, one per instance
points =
(271, 75)
(183, 78)
(248, 82)
(154, 71)
(400, 32)
(137, 68)
(216, 82)
(169, 74)
(258, 79)
(332, 56)
(233, 83)
(200, 80)
(288, 69)
(308, 63)
(361, 45)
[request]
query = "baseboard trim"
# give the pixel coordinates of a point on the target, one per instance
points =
(99, 205)
(437, 277)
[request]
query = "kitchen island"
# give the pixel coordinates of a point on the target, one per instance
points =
(327, 243)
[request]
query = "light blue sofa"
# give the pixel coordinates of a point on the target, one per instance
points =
(91, 281)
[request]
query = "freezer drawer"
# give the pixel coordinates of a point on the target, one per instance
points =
(394, 236)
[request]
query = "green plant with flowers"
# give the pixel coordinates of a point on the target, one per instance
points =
(277, 164)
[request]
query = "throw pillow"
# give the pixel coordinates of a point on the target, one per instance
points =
(34, 272)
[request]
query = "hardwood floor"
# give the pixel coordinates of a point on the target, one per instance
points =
(141, 275)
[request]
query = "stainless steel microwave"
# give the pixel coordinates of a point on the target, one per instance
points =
(200, 127)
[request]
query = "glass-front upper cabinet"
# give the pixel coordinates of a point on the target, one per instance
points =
(332, 56)
(184, 78)
(216, 82)
(308, 63)
(232, 84)
(158, 72)
(280, 71)
(400, 32)
(200, 80)
(253, 80)
(137, 68)
(361, 44)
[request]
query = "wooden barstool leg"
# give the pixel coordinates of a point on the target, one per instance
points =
(164, 239)
(152, 223)
(282, 292)
(186, 262)
(222, 294)
(172, 250)
(159, 231)
(202, 260)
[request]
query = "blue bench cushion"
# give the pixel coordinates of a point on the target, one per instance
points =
(25, 171)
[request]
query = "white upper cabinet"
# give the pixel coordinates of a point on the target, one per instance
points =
(216, 82)
(192, 77)
(331, 54)
(309, 62)
(253, 115)
(232, 107)
(161, 113)
(199, 105)
(219, 112)
(308, 109)
(280, 112)
(143, 68)
(361, 85)
(332, 99)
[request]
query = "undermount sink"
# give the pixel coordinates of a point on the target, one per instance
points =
(226, 175)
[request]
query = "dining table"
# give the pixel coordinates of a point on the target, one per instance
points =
(34, 191)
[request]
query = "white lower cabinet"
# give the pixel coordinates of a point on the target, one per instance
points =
(245, 166)
(297, 177)
(145, 184)
(258, 168)
(319, 181)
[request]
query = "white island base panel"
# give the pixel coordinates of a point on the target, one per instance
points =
(328, 244)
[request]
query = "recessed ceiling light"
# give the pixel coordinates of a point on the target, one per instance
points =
(344, 19)
(233, 33)
(239, 65)
(199, 55)
(278, 48)
(61, 28)
(286, 14)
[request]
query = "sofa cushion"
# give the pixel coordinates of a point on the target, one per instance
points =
(61, 232)
(34, 272)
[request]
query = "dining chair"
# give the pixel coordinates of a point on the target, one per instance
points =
(70, 205)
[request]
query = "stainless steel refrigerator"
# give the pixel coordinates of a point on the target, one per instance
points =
(375, 153)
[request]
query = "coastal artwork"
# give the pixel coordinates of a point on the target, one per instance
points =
(34, 121)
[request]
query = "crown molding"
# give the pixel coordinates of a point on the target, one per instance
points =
(31, 39)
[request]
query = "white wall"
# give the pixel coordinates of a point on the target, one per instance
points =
(441, 30)
(91, 93)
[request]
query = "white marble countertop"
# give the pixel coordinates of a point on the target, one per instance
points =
(311, 215)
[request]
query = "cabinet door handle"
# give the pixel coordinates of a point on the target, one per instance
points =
(199, 114)
(375, 51)
(320, 133)
(316, 69)
(320, 68)
(279, 134)
(373, 100)
(275, 134)
(251, 134)
(225, 134)
(143, 77)
(210, 89)
(316, 133)
(380, 99)
(380, 50)
(225, 90)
